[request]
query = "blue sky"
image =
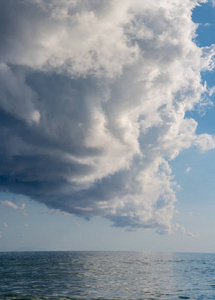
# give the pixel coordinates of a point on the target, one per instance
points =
(100, 147)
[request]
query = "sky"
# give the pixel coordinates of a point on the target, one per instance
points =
(107, 125)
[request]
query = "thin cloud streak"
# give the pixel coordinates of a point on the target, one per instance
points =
(13, 205)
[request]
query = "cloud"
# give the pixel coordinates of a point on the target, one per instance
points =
(5, 224)
(93, 96)
(13, 205)
(205, 142)
(207, 25)
(182, 229)
(187, 171)
(179, 228)
(194, 235)
(20, 207)
(76, 224)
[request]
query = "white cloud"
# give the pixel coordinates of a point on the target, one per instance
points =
(179, 228)
(5, 224)
(76, 224)
(187, 171)
(182, 229)
(205, 142)
(194, 235)
(20, 207)
(13, 205)
(94, 96)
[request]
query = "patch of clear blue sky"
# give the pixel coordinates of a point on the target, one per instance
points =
(49, 230)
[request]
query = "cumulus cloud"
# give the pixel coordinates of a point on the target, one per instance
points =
(93, 96)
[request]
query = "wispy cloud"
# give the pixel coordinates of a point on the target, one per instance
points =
(182, 229)
(13, 205)
(187, 171)
(5, 224)
(179, 228)
(213, 2)
(207, 25)
(76, 223)
(194, 235)
(93, 98)
(20, 207)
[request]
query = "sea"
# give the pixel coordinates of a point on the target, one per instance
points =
(106, 275)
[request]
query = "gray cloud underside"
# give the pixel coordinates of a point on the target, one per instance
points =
(93, 96)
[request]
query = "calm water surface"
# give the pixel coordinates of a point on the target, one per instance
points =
(106, 275)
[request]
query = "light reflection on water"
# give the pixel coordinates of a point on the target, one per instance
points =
(106, 275)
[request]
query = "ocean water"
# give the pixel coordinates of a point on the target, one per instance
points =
(106, 275)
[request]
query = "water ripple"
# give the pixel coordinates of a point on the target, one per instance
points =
(106, 276)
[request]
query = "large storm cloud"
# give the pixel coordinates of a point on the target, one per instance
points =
(93, 96)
